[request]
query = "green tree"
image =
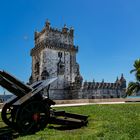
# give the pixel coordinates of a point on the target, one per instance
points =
(134, 87)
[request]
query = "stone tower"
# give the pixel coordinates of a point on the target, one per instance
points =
(54, 55)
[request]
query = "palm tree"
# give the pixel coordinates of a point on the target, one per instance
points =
(134, 87)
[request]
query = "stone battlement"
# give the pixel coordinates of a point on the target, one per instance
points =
(98, 85)
(53, 34)
(53, 45)
(64, 30)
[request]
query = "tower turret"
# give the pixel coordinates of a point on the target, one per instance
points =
(47, 24)
(54, 55)
(117, 80)
(64, 29)
(122, 81)
(71, 31)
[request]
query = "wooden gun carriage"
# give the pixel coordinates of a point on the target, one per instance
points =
(28, 111)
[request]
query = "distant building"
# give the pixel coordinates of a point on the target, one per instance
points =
(104, 90)
(54, 55)
(4, 98)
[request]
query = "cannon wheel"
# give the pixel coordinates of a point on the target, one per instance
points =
(32, 117)
(8, 114)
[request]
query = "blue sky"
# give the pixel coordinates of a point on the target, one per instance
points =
(106, 31)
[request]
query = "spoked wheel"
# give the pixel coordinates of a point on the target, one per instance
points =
(32, 117)
(8, 114)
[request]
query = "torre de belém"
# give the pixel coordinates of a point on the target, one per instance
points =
(54, 55)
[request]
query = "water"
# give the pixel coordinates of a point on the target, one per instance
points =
(131, 97)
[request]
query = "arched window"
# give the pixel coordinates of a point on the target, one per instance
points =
(37, 68)
(44, 74)
(60, 65)
(60, 68)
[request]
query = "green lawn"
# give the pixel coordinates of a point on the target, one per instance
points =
(106, 122)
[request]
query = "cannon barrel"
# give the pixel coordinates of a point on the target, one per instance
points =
(13, 85)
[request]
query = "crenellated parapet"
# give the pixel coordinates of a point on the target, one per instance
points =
(53, 38)
(53, 45)
(118, 84)
(100, 85)
(64, 35)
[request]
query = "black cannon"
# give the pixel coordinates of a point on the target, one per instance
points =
(28, 111)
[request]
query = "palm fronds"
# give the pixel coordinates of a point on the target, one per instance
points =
(134, 87)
